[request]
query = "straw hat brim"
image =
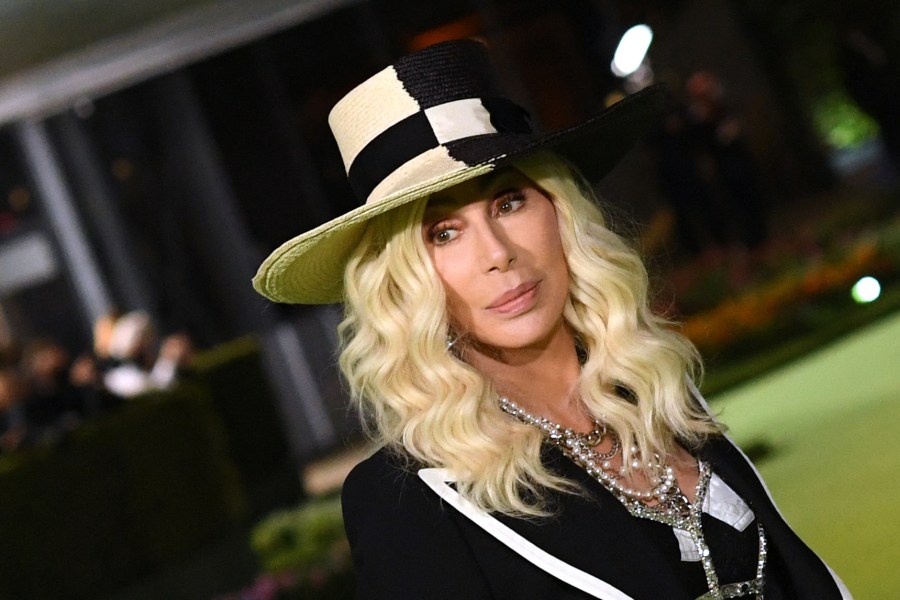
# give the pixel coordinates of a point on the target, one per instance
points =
(309, 268)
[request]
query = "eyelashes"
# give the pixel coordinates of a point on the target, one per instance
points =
(509, 202)
(442, 232)
(446, 229)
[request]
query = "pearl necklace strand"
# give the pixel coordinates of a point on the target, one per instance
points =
(580, 447)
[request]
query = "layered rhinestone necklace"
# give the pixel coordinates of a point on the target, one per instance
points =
(670, 503)
(664, 502)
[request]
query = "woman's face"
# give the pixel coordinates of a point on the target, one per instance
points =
(495, 243)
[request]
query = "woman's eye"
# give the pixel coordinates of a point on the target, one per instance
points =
(510, 203)
(443, 235)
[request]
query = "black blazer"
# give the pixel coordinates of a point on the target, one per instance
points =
(409, 544)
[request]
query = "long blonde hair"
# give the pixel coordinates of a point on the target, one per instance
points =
(423, 401)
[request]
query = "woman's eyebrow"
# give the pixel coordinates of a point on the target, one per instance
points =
(485, 183)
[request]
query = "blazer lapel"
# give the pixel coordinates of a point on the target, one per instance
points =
(597, 535)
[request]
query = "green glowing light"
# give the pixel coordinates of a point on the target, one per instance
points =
(866, 290)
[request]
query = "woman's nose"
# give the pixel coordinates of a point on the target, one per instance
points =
(497, 249)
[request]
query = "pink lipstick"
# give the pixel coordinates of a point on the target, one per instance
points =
(517, 299)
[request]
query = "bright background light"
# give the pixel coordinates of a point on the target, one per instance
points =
(866, 289)
(631, 50)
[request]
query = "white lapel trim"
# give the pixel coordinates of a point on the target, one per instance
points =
(720, 502)
(437, 480)
(845, 593)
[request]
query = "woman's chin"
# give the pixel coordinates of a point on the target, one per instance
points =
(517, 337)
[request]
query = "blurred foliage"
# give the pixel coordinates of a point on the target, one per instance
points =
(246, 404)
(301, 538)
(751, 314)
(138, 488)
(845, 222)
(304, 554)
(803, 37)
(841, 122)
(119, 497)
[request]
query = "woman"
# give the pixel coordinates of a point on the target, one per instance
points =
(540, 433)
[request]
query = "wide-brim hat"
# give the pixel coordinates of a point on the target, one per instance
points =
(434, 119)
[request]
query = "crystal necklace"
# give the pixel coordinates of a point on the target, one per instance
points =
(580, 448)
(663, 503)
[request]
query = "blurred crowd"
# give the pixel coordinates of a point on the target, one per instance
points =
(46, 393)
(708, 171)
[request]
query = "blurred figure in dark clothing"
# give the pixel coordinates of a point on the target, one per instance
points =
(87, 380)
(53, 404)
(13, 428)
(719, 136)
(698, 222)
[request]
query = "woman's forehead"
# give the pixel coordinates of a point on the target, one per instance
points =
(478, 188)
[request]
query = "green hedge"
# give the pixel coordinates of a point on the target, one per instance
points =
(118, 498)
(304, 552)
(246, 405)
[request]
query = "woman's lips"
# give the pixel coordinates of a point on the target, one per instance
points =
(517, 299)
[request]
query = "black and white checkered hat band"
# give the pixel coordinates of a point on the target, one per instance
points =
(420, 113)
(427, 129)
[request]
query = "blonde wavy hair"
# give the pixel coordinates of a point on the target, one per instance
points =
(418, 398)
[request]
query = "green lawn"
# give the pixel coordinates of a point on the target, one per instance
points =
(832, 420)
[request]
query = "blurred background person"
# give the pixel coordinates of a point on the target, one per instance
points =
(732, 169)
(698, 220)
(13, 427)
(86, 378)
(52, 405)
(136, 365)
